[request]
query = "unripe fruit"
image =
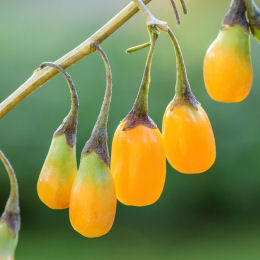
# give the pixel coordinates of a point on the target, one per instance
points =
(57, 174)
(188, 138)
(228, 72)
(10, 220)
(8, 242)
(60, 166)
(93, 198)
(138, 164)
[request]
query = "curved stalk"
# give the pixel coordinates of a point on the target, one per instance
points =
(176, 12)
(98, 139)
(13, 201)
(71, 120)
(12, 210)
(101, 124)
(182, 83)
(40, 77)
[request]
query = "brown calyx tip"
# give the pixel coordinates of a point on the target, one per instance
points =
(236, 15)
(13, 221)
(69, 128)
(187, 99)
(98, 144)
(134, 119)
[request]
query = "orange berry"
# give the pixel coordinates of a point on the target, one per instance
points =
(138, 164)
(93, 198)
(188, 138)
(57, 174)
(60, 166)
(228, 72)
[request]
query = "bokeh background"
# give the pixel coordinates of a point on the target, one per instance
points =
(215, 215)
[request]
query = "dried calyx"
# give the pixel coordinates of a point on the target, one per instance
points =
(98, 139)
(69, 124)
(236, 15)
(11, 215)
(139, 113)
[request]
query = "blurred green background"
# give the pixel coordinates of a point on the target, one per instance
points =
(215, 215)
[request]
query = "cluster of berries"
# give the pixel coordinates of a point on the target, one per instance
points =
(139, 151)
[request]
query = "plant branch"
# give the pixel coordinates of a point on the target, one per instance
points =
(39, 77)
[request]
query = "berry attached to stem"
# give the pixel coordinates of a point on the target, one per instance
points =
(228, 72)
(60, 166)
(187, 133)
(93, 198)
(138, 162)
(10, 220)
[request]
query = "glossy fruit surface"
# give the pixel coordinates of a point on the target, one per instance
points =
(93, 198)
(57, 174)
(188, 139)
(228, 72)
(138, 165)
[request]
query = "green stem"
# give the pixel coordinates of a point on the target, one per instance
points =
(141, 103)
(98, 138)
(176, 12)
(12, 204)
(182, 84)
(73, 114)
(100, 127)
(138, 47)
(253, 11)
(184, 6)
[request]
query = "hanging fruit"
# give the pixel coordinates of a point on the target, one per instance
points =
(138, 162)
(93, 199)
(187, 133)
(60, 166)
(228, 72)
(10, 220)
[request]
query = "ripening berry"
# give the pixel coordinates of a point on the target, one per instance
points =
(188, 138)
(8, 242)
(10, 221)
(60, 166)
(93, 198)
(138, 164)
(228, 72)
(57, 174)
